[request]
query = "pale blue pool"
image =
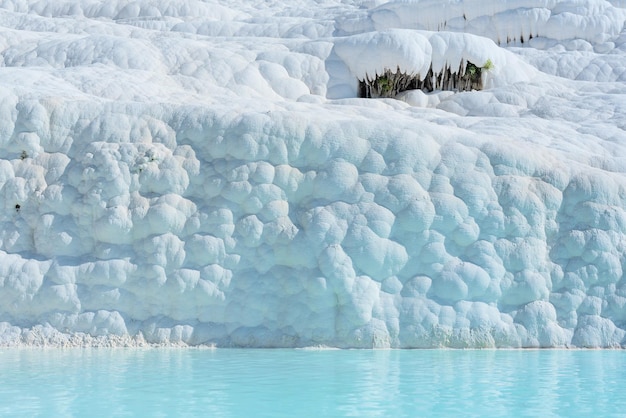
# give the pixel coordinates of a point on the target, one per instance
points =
(303, 383)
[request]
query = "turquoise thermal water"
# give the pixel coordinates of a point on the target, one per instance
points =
(311, 383)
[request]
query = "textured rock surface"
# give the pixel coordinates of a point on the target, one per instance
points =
(190, 174)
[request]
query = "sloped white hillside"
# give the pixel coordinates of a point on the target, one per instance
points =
(201, 172)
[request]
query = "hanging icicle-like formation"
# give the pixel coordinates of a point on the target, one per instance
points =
(389, 84)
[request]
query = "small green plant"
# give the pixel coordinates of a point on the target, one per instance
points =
(471, 69)
(385, 85)
(471, 78)
(488, 65)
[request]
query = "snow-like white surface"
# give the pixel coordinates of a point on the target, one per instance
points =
(201, 172)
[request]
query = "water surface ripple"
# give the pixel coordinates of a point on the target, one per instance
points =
(311, 383)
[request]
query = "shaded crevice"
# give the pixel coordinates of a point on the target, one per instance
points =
(514, 40)
(466, 77)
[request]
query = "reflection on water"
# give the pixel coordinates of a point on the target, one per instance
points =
(309, 383)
